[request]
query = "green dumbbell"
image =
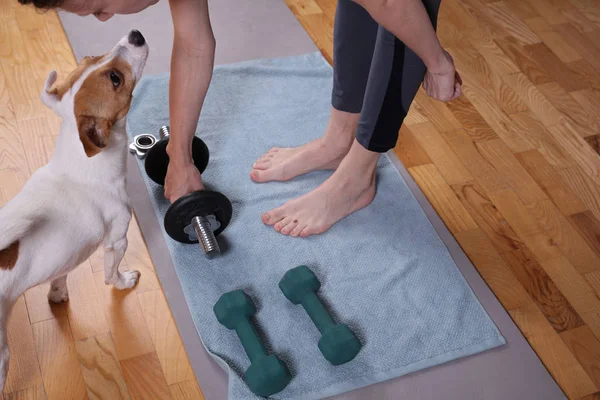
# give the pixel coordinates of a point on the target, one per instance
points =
(267, 374)
(338, 343)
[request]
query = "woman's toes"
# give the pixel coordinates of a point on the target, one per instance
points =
(296, 231)
(264, 161)
(313, 228)
(305, 232)
(282, 224)
(267, 157)
(289, 227)
(262, 164)
(256, 175)
(261, 175)
(273, 216)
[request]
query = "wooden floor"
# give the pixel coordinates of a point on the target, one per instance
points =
(512, 167)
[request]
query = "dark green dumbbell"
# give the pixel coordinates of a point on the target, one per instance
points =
(267, 374)
(338, 343)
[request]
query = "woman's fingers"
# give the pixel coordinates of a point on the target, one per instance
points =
(457, 90)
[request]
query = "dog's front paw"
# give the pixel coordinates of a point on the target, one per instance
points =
(128, 280)
(58, 295)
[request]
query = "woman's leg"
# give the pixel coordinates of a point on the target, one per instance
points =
(394, 79)
(354, 40)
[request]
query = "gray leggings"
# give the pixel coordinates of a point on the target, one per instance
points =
(375, 74)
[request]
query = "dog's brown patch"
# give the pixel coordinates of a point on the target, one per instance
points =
(100, 102)
(9, 256)
(63, 87)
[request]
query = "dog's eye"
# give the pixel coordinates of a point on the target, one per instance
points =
(115, 79)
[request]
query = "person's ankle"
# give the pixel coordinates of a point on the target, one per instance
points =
(359, 163)
(353, 179)
(339, 138)
(335, 144)
(343, 122)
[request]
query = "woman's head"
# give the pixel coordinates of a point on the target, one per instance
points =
(101, 9)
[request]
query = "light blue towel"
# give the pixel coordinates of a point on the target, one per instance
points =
(384, 271)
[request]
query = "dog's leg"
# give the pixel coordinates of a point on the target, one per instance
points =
(114, 250)
(58, 290)
(5, 308)
(113, 255)
(4, 356)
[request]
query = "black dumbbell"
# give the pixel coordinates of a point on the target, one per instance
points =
(157, 159)
(199, 216)
(267, 374)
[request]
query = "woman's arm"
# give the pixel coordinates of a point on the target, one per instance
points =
(409, 22)
(192, 63)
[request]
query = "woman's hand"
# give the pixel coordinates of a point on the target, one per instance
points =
(409, 21)
(443, 82)
(181, 179)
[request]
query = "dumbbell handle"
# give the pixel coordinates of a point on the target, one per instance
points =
(164, 131)
(250, 341)
(317, 312)
(206, 237)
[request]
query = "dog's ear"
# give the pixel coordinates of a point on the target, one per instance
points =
(94, 133)
(49, 95)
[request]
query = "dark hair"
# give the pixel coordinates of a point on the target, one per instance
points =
(43, 4)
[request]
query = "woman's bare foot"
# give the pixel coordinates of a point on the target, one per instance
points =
(326, 153)
(350, 188)
(284, 164)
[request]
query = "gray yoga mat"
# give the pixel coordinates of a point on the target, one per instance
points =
(509, 371)
(243, 30)
(384, 270)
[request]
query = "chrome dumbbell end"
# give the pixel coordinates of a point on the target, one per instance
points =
(141, 144)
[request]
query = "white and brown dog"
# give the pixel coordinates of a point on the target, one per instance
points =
(78, 201)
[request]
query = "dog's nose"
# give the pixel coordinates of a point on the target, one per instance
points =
(136, 38)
